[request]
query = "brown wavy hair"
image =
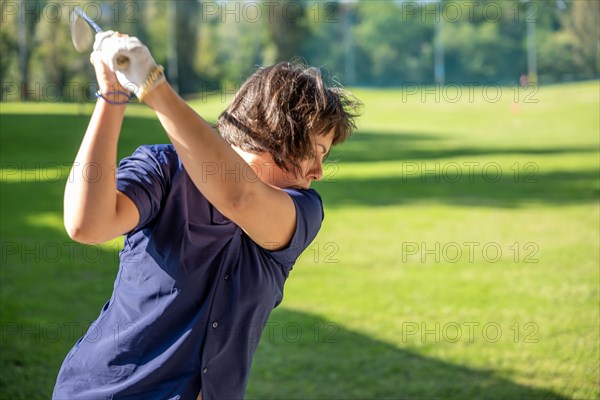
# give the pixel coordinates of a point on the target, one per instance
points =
(280, 107)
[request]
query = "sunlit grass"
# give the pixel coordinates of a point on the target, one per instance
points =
(421, 284)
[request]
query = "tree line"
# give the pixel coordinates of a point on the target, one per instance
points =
(213, 45)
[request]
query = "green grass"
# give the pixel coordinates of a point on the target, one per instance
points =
(422, 283)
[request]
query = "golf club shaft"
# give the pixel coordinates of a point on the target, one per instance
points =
(87, 19)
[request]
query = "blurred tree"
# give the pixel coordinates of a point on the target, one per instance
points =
(382, 43)
(584, 25)
(132, 13)
(396, 46)
(323, 45)
(9, 75)
(54, 64)
(153, 18)
(568, 44)
(556, 61)
(231, 45)
(479, 53)
(288, 27)
(208, 59)
(26, 15)
(187, 21)
(148, 20)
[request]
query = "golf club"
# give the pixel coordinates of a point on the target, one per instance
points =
(83, 38)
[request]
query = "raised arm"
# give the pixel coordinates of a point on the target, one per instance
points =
(94, 211)
(267, 214)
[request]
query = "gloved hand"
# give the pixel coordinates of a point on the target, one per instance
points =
(107, 79)
(131, 61)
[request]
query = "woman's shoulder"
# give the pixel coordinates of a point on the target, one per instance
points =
(308, 198)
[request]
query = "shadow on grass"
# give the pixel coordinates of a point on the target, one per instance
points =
(368, 146)
(478, 189)
(302, 356)
(39, 141)
(51, 289)
(38, 288)
(54, 139)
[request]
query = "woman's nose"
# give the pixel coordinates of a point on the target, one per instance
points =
(315, 173)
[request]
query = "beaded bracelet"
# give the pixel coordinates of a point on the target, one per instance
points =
(157, 74)
(99, 95)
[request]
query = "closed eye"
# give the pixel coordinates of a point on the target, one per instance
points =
(325, 152)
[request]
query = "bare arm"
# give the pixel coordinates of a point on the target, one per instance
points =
(265, 213)
(94, 211)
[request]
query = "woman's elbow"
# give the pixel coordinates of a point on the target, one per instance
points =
(77, 234)
(81, 233)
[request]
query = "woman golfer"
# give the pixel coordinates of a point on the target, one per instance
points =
(213, 223)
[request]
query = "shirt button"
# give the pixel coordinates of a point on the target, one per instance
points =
(215, 324)
(226, 277)
(205, 370)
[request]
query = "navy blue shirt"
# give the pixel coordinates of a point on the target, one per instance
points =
(191, 298)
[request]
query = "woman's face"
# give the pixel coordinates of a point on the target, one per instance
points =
(310, 169)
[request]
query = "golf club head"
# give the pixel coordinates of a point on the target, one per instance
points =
(81, 33)
(83, 37)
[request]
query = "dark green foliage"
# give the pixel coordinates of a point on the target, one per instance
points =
(366, 43)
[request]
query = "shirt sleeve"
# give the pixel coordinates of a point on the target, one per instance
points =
(309, 217)
(145, 178)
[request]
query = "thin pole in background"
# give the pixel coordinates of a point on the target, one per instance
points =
(439, 66)
(172, 63)
(22, 33)
(532, 44)
(350, 66)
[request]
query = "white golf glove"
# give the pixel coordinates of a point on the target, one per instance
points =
(131, 61)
